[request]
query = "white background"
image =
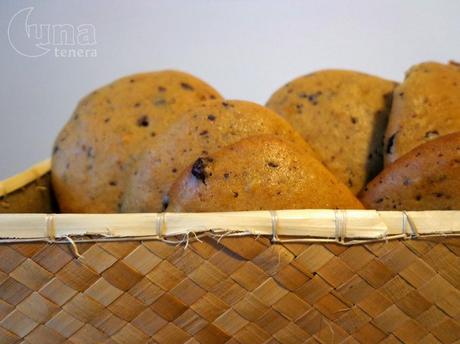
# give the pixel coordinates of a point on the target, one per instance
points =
(246, 49)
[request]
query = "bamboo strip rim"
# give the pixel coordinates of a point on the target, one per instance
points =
(344, 227)
(25, 177)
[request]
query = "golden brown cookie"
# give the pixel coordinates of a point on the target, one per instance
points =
(258, 173)
(203, 129)
(426, 178)
(425, 106)
(343, 115)
(96, 149)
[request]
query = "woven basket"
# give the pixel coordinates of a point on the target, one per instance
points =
(227, 290)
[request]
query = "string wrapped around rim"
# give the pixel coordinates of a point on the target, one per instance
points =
(160, 224)
(51, 234)
(274, 219)
(50, 227)
(413, 227)
(340, 225)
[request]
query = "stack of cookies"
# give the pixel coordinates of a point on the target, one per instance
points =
(167, 141)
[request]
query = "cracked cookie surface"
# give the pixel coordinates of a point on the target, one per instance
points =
(343, 115)
(259, 173)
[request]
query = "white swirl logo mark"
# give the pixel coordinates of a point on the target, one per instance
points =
(64, 40)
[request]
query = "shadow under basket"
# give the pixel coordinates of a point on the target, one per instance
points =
(224, 289)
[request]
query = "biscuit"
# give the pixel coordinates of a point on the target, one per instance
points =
(258, 173)
(425, 106)
(343, 115)
(204, 128)
(426, 178)
(109, 128)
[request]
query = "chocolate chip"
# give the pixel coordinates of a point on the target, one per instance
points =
(143, 121)
(391, 143)
(165, 202)
(199, 169)
(204, 132)
(211, 117)
(312, 97)
(226, 175)
(380, 200)
(186, 86)
(153, 134)
(354, 120)
(235, 194)
(272, 164)
(107, 120)
(55, 149)
(418, 197)
(113, 183)
(137, 105)
(174, 170)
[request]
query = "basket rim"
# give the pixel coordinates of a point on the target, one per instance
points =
(25, 177)
(346, 227)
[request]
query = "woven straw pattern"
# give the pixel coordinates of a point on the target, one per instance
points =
(238, 290)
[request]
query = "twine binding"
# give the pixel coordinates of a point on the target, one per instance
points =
(413, 228)
(50, 227)
(340, 225)
(160, 224)
(274, 219)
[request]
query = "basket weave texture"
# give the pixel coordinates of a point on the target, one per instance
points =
(237, 290)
